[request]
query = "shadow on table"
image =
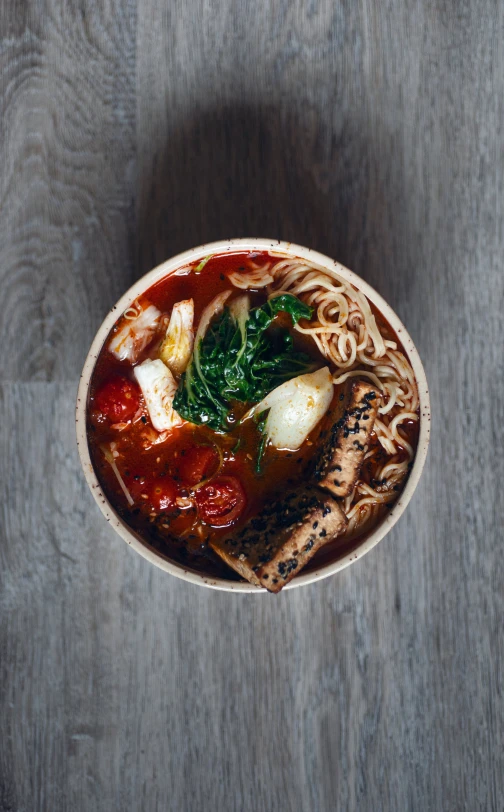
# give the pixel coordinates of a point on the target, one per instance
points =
(248, 171)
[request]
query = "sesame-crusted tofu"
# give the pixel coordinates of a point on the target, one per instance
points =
(276, 544)
(340, 459)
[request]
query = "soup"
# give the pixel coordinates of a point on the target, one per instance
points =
(251, 415)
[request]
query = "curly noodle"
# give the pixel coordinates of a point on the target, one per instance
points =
(345, 331)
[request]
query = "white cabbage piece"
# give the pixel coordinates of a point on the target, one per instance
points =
(177, 347)
(295, 408)
(158, 388)
(240, 309)
(137, 331)
(213, 308)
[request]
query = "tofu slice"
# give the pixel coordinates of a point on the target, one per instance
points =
(276, 544)
(340, 460)
(158, 388)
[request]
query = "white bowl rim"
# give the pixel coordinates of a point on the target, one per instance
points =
(163, 270)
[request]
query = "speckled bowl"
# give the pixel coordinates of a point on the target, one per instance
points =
(341, 559)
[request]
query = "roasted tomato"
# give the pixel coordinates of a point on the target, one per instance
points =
(222, 501)
(162, 493)
(196, 463)
(118, 399)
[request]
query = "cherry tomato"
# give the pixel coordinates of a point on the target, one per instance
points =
(118, 399)
(162, 493)
(222, 501)
(196, 463)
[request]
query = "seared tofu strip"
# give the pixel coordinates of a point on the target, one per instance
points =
(340, 460)
(276, 544)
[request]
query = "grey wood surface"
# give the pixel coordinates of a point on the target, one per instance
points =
(372, 131)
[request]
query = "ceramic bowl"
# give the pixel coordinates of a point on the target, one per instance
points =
(341, 559)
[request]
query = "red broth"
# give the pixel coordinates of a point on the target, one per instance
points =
(179, 533)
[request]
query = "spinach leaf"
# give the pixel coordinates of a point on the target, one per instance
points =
(237, 360)
(261, 448)
(289, 304)
(198, 397)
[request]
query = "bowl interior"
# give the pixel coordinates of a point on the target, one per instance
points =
(341, 556)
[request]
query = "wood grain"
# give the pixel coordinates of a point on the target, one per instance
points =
(132, 130)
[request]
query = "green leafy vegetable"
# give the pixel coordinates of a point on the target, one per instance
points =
(290, 304)
(261, 425)
(237, 360)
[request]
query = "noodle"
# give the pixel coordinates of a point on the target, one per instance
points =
(345, 331)
(255, 278)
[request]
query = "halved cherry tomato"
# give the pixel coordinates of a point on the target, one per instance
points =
(222, 501)
(162, 493)
(196, 463)
(118, 399)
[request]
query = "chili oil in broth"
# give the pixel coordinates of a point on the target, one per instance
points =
(179, 534)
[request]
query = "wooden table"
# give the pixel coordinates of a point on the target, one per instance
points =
(131, 130)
